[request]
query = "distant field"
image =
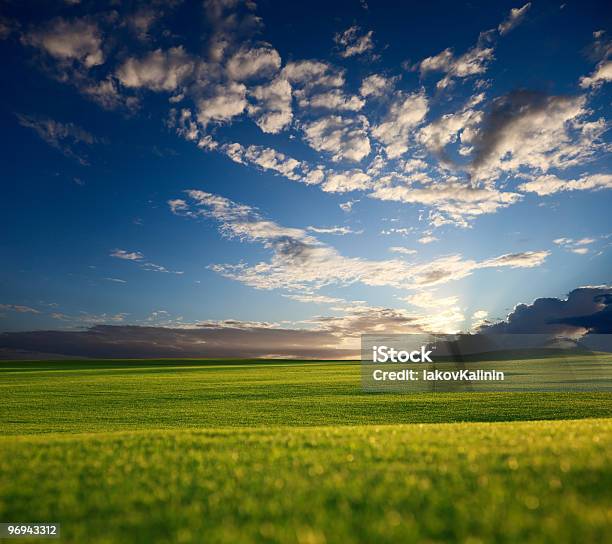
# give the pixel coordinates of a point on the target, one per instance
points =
(189, 451)
(124, 395)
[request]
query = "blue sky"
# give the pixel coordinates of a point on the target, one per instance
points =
(353, 166)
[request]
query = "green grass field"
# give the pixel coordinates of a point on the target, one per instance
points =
(210, 451)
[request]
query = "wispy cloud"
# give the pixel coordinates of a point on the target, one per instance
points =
(515, 18)
(332, 230)
(139, 258)
(19, 309)
(300, 261)
(427, 239)
(579, 246)
(127, 255)
(115, 280)
(403, 250)
(64, 137)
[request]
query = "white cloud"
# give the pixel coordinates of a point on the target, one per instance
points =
(580, 250)
(443, 315)
(453, 267)
(301, 262)
(536, 131)
(365, 319)
(402, 250)
(178, 205)
(152, 267)
(473, 62)
(313, 73)
(441, 319)
(272, 108)
(90, 319)
(223, 103)
(402, 231)
(526, 259)
(138, 257)
(413, 165)
(314, 175)
(311, 298)
(343, 182)
(241, 221)
(268, 159)
(451, 128)
(318, 86)
(348, 205)
(514, 19)
(404, 114)
(352, 43)
(185, 124)
(332, 230)
(600, 50)
(602, 74)
(575, 246)
(250, 63)
(427, 239)
(343, 137)
(550, 184)
(376, 85)
(127, 255)
(159, 70)
(106, 94)
(333, 99)
(77, 40)
(479, 318)
(459, 202)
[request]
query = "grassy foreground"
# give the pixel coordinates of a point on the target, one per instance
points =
(491, 482)
(295, 452)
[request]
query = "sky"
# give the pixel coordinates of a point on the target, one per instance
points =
(266, 178)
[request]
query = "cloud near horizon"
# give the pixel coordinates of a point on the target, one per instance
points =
(585, 311)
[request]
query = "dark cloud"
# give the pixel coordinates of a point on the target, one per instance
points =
(511, 117)
(326, 338)
(292, 249)
(585, 309)
(597, 322)
(504, 111)
(231, 339)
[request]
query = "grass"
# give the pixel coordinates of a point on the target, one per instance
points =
(113, 396)
(164, 451)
